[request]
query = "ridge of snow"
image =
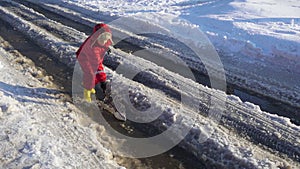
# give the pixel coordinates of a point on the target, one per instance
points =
(248, 69)
(63, 49)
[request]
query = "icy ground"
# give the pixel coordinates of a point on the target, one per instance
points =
(59, 123)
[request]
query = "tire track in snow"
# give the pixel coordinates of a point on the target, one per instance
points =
(267, 103)
(43, 11)
(247, 120)
(164, 156)
(67, 34)
(236, 123)
(85, 26)
(262, 98)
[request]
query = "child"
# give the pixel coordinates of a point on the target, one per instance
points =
(90, 56)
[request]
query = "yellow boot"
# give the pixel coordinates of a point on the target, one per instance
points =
(87, 94)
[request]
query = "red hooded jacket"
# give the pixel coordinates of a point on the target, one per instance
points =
(90, 56)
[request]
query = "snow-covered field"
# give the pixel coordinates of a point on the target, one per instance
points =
(258, 44)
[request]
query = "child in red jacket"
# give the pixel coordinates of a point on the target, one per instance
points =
(90, 56)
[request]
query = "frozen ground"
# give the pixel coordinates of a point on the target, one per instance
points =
(228, 146)
(39, 129)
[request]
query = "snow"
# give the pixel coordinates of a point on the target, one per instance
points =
(38, 129)
(253, 46)
(238, 20)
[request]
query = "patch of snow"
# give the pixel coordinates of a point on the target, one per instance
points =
(34, 130)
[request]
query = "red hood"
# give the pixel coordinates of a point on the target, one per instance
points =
(103, 28)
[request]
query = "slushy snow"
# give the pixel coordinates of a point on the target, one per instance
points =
(255, 40)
